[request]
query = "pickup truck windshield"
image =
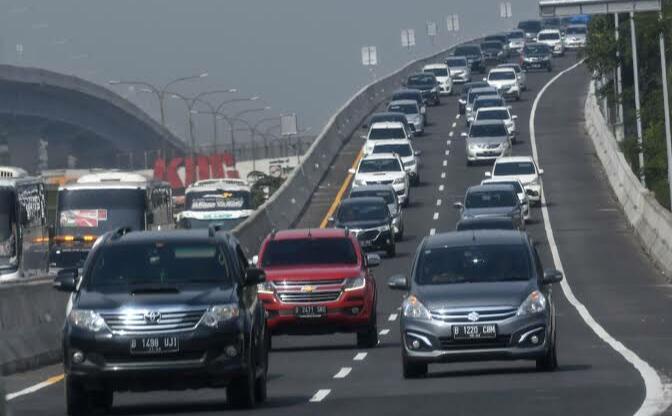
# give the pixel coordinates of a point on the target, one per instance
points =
(300, 252)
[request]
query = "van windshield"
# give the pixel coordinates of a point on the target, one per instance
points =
(97, 211)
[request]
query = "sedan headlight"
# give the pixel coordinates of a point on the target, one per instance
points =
(414, 309)
(410, 163)
(86, 319)
(219, 314)
(383, 228)
(399, 181)
(354, 283)
(266, 288)
(535, 303)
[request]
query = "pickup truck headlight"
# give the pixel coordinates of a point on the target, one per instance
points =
(535, 303)
(414, 309)
(87, 319)
(399, 181)
(218, 314)
(266, 288)
(410, 163)
(354, 283)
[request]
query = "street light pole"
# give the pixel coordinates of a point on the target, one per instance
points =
(232, 120)
(620, 134)
(666, 107)
(254, 130)
(635, 68)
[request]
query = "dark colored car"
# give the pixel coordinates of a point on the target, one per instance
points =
(428, 84)
(483, 201)
(536, 56)
(411, 94)
(531, 28)
(370, 220)
(390, 196)
(319, 282)
(474, 56)
(163, 310)
(390, 116)
(494, 52)
(486, 223)
(462, 101)
(476, 296)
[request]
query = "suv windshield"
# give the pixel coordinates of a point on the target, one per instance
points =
(538, 49)
(379, 165)
(158, 263)
(576, 30)
(388, 196)
(402, 150)
(403, 108)
(488, 130)
(473, 264)
(421, 80)
(362, 212)
(439, 72)
(456, 62)
(492, 115)
(467, 50)
(96, 211)
(490, 199)
(386, 134)
(217, 200)
(530, 26)
(548, 36)
(501, 75)
(299, 252)
(517, 168)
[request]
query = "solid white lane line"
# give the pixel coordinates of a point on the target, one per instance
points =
(393, 317)
(440, 188)
(384, 331)
(445, 163)
(36, 387)
(658, 396)
(438, 202)
(443, 175)
(432, 231)
(454, 125)
(360, 356)
(343, 372)
(320, 395)
(436, 216)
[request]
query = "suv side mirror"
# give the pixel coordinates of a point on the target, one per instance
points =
(458, 205)
(514, 117)
(398, 282)
(488, 175)
(541, 172)
(552, 276)
(418, 153)
(372, 260)
(254, 276)
(66, 280)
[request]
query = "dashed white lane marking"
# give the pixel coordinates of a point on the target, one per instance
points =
(445, 163)
(360, 356)
(436, 216)
(36, 387)
(449, 142)
(432, 231)
(438, 202)
(658, 396)
(450, 135)
(393, 317)
(454, 125)
(443, 175)
(343, 372)
(457, 116)
(320, 395)
(447, 152)
(384, 331)
(440, 188)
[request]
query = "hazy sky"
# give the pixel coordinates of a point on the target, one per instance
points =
(301, 56)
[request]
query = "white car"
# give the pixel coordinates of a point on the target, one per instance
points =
(552, 38)
(409, 157)
(460, 70)
(384, 131)
(412, 112)
(506, 82)
(520, 191)
(383, 169)
(522, 76)
(575, 36)
(522, 168)
(499, 113)
(442, 74)
(516, 40)
(486, 141)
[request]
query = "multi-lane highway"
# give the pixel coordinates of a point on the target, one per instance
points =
(613, 336)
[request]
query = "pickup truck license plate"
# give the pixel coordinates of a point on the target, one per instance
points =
(155, 345)
(310, 311)
(479, 331)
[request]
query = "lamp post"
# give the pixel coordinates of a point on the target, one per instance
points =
(237, 117)
(216, 113)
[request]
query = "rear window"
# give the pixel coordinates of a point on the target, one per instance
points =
(489, 102)
(515, 184)
(502, 75)
(403, 108)
(379, 165)
(492, 115)
(402, 150)
(362, 212)
(530, 26)
(456, 62)
(467, 50)
(514, 168)
(309, 251)
(388, 196)
(491, 45)
(439, 72)
(516, 35)
(576, 31)
(486, 224)
(490, 199)
(386, 134)
(536, 49)
(549, 36)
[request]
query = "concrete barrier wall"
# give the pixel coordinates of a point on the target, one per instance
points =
(651, 222)
(285, 207)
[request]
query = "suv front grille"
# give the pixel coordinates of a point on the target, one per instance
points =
(329, 296)
(137, 322)
(491, 314)
(309, 291)
(368, 235)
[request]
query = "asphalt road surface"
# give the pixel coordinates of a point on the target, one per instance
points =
(613, 369)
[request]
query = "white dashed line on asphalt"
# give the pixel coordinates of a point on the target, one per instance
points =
(449, 142)
(445, 163)
(440, 188)
(450, 135)
(393, 317)
(457, 116)
(436, 216)
(384, 331)
(432, 231)
(438, 202)
(443, 175)
(320, 395)
(447, 152)
(343, 372)
(454, 125)
(360, 356)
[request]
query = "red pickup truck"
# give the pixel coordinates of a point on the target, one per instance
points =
(318, 281)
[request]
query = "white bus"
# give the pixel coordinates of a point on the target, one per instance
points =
(101, 202)
(226, 202)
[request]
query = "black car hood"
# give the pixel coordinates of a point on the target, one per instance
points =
(472, 295)
(422, 88)
(201, 295)
(361, 225)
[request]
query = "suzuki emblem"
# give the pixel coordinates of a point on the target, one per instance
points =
(152, 317)
(473, 316)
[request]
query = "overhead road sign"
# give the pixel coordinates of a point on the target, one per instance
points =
(555, 8)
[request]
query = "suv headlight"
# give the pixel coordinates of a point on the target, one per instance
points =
(359, 182)
(535, 303)
(266, 288)
(218, 314)
(410, 163)
(399, 181)
(414, 309)
(383, 228)
(86, 319)
(354, 283)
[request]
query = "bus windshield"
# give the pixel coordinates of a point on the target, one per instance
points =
(218, 200)
(97, 211)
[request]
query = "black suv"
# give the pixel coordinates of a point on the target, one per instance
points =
(163, 310)
(426, 83)
(370, 220)
(474, 56)
(536, 56)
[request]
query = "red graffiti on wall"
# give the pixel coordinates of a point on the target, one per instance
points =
(196, 168)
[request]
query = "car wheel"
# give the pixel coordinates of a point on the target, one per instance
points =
(517, 97)
(369, 337)
(416, 180)
(550, 68)
(411, 369)
(469, 162)
(77, 400)
(391, 250)
(241, 392)
(550, 360)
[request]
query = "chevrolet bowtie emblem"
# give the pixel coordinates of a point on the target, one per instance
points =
(307, 289)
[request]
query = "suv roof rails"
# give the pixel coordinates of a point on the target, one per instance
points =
(120, 232)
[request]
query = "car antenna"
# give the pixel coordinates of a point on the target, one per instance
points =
(273, 232)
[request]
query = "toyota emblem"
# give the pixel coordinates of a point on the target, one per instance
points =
(473, 316)
(152, 317)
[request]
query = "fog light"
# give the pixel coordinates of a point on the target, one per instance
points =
(534, 339)
(231, 351)
(415, 344)
(78, 357)
(355, 310)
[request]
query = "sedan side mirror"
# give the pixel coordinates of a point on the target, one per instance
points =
(352, 171)
(458, 205)
(541, 172)
(372, 260)
(488, 174)
(552, 276)
(254, 276)
(66, 280)
(418, 153)
(398, 282)
(514, 117)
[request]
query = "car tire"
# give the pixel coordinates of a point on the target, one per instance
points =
(78, 402)
(391, 250)
(241, 392)
(260, 384)
(469, 162)
(517, 97)
(549, 362)
(369, 337)
(411, 369)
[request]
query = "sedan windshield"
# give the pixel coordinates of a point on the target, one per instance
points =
(576, 30)
(388, 196)
(549, 36)
(492, 115)
(403, 150)
(488, 130)
(456, 62)
(297, 252)
(158, 263)
(467, 50)
(379, 165)
(490, 199)
(439, 72)
(473, 264)
(362, 212)
(502, 75)
(386, 134)
(514, 168)
(403, 108)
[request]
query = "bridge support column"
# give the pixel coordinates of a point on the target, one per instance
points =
(58, 152)
(24, 151)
